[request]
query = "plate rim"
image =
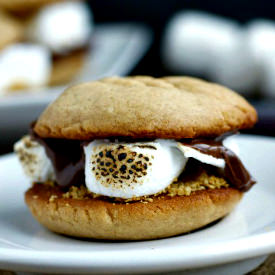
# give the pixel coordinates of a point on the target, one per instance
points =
(248, 247)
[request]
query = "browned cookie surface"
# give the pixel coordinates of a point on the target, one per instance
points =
(104, 219)
(140, 107)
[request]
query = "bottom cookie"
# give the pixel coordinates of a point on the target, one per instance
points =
(102, 218)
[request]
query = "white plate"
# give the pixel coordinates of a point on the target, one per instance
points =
(247, 232)
(116, 49)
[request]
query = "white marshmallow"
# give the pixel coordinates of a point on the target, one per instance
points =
(32, 156)
(204, 158)
(261, 46)
(119, 169)
(268, 83)
(62, 26)
(195, 39)
(144, 168)
(212, 46)
(24, 64)
(235, 68)
(261, 39)
(160, 162)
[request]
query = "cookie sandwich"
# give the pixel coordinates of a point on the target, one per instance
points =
(136, 158)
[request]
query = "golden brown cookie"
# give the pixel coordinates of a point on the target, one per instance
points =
(10, 29)
(145, 107)
(66, 68)
(102, 219)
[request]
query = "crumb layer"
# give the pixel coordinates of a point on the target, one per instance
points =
(202, 181)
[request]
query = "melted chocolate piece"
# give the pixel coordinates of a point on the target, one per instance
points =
(67, 157)
(234, 171)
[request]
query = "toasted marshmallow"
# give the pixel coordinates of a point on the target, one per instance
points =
(62, 27)
(119, 169)
(24, 65)
(126, 170)
(204, 158)
(36, 165)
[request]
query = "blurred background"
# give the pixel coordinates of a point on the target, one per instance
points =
(47, 46)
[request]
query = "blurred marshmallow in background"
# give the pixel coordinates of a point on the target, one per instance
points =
(56, 43)
(260, 35)
(23, 66)
(223, 51)
(232, 65)
(195, 39)
(62, 27)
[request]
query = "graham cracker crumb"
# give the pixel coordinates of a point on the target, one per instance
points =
(76, 192)
(52, 198)
(179, 188)
(202, 182)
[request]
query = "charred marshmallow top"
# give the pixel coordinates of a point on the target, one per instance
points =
(127, 170)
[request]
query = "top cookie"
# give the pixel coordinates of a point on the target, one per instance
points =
(145, 107)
